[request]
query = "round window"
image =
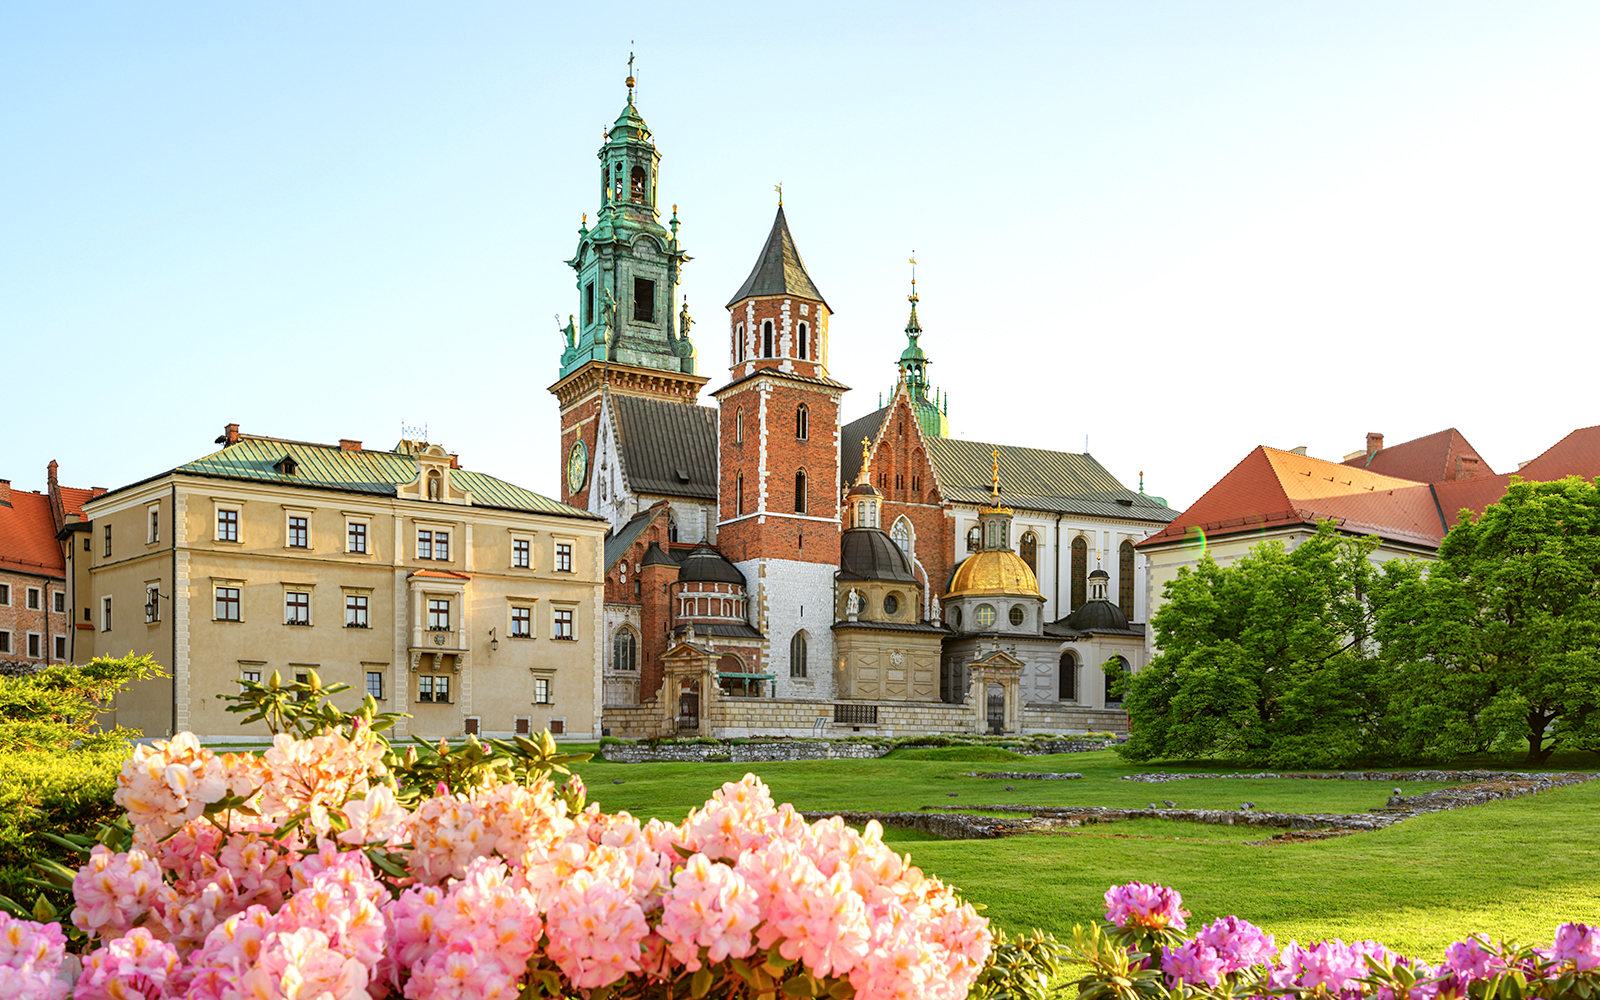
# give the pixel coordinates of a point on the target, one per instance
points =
(891, 604)
(1016, 614)
(985, 615)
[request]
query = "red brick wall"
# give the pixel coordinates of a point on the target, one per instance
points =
(754, 312)
(582, 420)
(898, 465)
(18, 619)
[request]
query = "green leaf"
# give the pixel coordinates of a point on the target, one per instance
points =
(700, 982)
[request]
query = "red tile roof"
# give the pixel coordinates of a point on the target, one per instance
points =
(1577, 454)
(1436, 458)
(28, 536)
(440, 574)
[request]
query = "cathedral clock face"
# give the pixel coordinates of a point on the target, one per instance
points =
(577, 467)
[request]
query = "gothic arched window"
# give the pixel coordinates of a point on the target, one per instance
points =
(738, 495)
(804, 338)
(1029, 551)
(672, 525)
(972, 539)
(802, 422)
(766, 339)
(624, 650)
(902, 536)
(800, 491)
(1080, 571)
(1125, 578)
(738, 337)
(797, 655)
(1067, 682)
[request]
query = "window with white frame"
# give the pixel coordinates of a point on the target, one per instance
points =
(375, 684)
(441, 546)
(564, 557)
(35, 645)
(33, 598)
(5, 641)
(297, 607)
(356, 537)
(227, 524)
(541, 691)
(108, 542)
(227, 603)
(521, 623)
(61, 647)
(251, 674)
(624, 650)
(424, 544)
(5, 595)
(438, 614)
(153, 518)
(521, 553)
(105, 614)
(355, 611)
(561, 627)
(433, 688)
(299, 531)
(59, 598)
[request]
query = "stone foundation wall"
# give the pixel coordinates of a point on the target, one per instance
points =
(743, 753)
(744, 717)
(1070, 719)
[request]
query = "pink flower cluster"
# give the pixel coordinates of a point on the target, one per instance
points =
(33, 962)
(1142, 905)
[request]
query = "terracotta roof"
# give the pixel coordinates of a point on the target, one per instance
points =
(73, 499)
(28, 536)
(1577, 454)
(440, 574)
(667, 447)
(1436, 458)
(328, 466)
(1272, 488)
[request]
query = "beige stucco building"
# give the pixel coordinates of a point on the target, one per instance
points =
(470, 603)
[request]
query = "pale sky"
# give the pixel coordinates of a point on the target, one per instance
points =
(1177, 229)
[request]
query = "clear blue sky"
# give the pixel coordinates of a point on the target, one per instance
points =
(1179, 229)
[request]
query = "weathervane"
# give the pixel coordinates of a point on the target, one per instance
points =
(778, 187)
(913, 276)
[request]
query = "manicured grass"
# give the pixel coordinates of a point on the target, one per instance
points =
(1510, 869)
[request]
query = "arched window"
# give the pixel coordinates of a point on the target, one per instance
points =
(624, 650)
(902, 536)
(804, 339)
(972, 539)
(1125, 578)
(800, 491)
(738, 426)
(1029, 551)
(1116, 680)
(636, 184)
(1080, 571)
(1067, 682)
(672, 525)
(738, 495)
(738, 338)
(797, 655)
(766, 339)
(802, 422)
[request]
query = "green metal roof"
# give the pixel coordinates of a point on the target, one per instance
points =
(376, 472)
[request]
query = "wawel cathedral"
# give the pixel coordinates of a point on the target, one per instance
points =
(774, 568)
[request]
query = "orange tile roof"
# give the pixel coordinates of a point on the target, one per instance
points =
(28, 536)
(73, 499)
(440, 574)
(1577, 454)
(1432, 458)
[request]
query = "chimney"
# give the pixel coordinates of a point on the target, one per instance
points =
(96, 491)
(5, 492)
(52, 467)
(455, 461)
(230, 435)
(345, 444)
(1374, 443)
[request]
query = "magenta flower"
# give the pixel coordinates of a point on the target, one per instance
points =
(1472, 959)
(1194, 963)
(1330, 964)
(1579, 944)
(1143, 905)
(1238, 943)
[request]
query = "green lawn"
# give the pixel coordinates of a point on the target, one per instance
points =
(1511, 869)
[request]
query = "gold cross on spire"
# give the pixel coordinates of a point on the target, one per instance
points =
(630, 75)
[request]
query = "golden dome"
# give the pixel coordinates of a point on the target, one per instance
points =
(994, 571)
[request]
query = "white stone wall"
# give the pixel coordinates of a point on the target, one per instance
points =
(789, 596)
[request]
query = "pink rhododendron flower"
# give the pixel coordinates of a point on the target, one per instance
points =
(1332, 965)
(710, 906)
(1579, 944)
(133, 967)
(595, 929)
(374, 819)
(1238, 943)
(470, 940)
(170, 782)
(1145, 905)
(1472, 959)
(114, 890)
(1194, 963)
(318, 775)
(33, 964)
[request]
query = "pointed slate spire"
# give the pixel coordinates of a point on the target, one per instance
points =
(779, 270)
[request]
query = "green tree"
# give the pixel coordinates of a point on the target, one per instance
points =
(1501, 637)
(59, 708)
(1267, 659)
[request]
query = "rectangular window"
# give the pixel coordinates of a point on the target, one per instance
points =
(644, 300)
(152, 604)
(375, 683)
(253, 676)
(441, 545)
(296, 608)
(521, 552)
(541, 691)
(60, 602)
(424, 545)
(61, 647)
(33, 598)
(108, 541)
(522, 725)
(438, 615)
(5, 642)
(299, 532)
(425, 687)
(435, 689)
(357, 537)
(301, 677)
(105, 614)
(521, 623)
(5, 595)
(227, 604)
(441, 689)
(227, 525)
(86, 543)
(155, 526)
(588, 303)
(564, 557)
(563, 623)
(33, 645)
(355, 611)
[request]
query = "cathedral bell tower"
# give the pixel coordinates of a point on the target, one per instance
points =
(630, 333)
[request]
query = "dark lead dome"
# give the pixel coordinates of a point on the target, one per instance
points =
(1094, 616)
(870, 554)
(706, 565)
(863, 490)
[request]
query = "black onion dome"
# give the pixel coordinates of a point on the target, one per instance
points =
(706, 565)
(1099, 574)
(870, 554)
(1094, 616)
(863, 490)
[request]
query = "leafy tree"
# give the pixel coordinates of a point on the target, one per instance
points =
(58, 708)
(1268, 659)
(1501, 637)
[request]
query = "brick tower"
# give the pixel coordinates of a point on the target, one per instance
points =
(626, 335)
(779, 464)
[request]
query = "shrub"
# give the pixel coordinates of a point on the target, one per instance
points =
(51, 793)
